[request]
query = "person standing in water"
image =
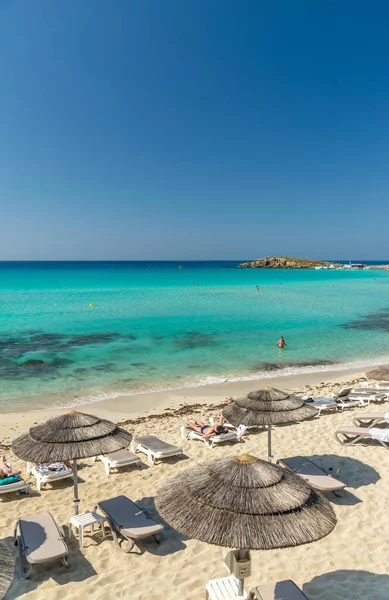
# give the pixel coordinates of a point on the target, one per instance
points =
(257, 288)
(281, 342)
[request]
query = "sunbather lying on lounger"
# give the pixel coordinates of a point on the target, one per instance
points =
(55, 466)
(5, 470)
(208, 431)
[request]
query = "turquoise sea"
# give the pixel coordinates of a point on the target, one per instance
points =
(154, 325)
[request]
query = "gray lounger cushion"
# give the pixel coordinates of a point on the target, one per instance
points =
(42, 540)
(357, 431)
(313, 474)
(282, 590)
(122, 456)
(129, 519)
(151, 442)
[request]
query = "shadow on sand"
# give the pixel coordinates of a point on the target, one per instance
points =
(353, 472)
(171, 540)
(79, 570)
(358, 585)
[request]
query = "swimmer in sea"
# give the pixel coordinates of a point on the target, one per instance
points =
(257, 288)
(281, 342)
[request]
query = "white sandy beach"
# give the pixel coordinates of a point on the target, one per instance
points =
(350, 563)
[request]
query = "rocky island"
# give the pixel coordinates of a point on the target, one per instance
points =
(286, 262)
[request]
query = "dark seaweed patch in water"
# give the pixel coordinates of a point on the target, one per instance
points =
(12, 346)
(43, 369)
(34, 363)
(105, 367)
(17, 364)
(47, 338)
(18, 345)
(373, 321)
(138, 364)
(15, 346)
(194, 339)
(93, 338)
(268, 367)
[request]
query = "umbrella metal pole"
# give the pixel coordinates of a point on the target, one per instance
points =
(269, 455)
(75, 483)
(242, 556)
(240, 588)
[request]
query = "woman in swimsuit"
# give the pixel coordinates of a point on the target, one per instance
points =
(208, 430)
(281, 342)
(5, 470)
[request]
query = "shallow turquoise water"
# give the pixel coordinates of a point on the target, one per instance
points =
(151, 327)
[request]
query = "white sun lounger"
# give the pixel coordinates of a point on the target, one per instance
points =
(44, 477)
(343, 400)
(154, 448)
(375, 385)
(367, 395)
(121, 458)
(323, 406)
(344, 405)
(211, 442)
(352, 435)
(18, 486)
(129, 521)
(370, 419)
(314, 475)
(350, 398)
(224, 588)
(40, 541)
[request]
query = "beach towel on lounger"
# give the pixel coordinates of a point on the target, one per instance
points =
(10, 479)
(379, 434)
(57, 467)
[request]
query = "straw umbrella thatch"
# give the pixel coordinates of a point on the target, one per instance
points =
(245, 503)
(6, 567)
(268, 407)
(70, 437)
(380, 373)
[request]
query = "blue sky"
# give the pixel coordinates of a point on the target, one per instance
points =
(193, 129)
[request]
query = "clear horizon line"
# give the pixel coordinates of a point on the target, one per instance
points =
(97, 260)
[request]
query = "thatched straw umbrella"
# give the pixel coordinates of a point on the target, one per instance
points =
(244, 502)
(268, 407)
(70, 437)
(6, 567)
(380, 373)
